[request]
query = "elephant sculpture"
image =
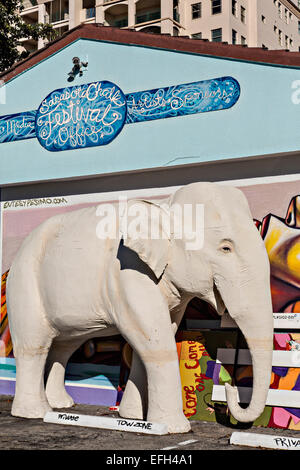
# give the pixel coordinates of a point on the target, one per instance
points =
(68, 284)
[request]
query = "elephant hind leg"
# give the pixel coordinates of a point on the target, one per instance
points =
(134, 401)
(30, 400)
(59, 355)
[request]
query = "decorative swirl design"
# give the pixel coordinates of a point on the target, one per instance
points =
(94, 113)
(17, 126)
(83, 116)
(180, 100)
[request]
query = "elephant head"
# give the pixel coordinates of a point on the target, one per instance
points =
(228, 267)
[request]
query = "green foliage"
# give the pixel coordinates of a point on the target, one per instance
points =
(13, 29)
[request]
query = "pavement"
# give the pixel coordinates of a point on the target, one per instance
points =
(35, 434)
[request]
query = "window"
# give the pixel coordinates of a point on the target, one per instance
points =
(286, 42)
(291, 43)
(234, 37)
(243, 41)
(196, 10)
(90, 12)
(57, 10)
(280, 37)
(216, 35)
(233, 7)
(123, 23)
(197, 36)
(263, 19)
(216, 6)
(243, 15)
(286, 16)
(279, 10)
(299, 27)
(275, 29)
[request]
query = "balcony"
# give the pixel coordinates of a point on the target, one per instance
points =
(176, 16)
(147, 16)
(57, 11)
(123, 23)
(90, 13)
(58, 16)
(29, 3)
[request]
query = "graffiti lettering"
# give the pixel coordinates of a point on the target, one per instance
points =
(94, 113)
(83, 116)
(189, 98)
(193, 355)
(17, 126)
(200, 382)
(190, 397)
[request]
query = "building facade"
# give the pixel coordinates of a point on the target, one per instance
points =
(273, 24)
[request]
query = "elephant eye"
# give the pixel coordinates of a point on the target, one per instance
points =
(226, 245)
(226, 248)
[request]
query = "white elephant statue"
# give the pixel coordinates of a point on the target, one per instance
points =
(68, 284)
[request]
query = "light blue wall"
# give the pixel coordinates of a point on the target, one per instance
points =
(263, 121)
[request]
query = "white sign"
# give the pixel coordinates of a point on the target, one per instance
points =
(115, 424)
(265, 440)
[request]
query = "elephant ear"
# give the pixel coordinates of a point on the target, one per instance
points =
(145, 227)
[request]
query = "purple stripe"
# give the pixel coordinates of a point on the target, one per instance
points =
(210, 367)
(92, 396)
(216, 374)
(7, 387)
(85, 395)
(294, 411)
(297, 384)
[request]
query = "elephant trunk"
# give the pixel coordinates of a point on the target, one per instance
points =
(257, 328)
(262, 365)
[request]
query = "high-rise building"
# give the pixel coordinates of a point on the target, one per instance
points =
(274, 24)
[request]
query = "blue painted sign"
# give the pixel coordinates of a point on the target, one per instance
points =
(81, 116)
(181, 100)
(94, 114)
(17, 126)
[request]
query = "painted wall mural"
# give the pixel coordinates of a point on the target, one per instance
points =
(103, 366)
(282, 240)
(94, 114)
(19, 126)
(81, 116)
(5, 339)
(200, 372)
(181, 100)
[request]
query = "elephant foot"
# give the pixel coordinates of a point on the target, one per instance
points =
(60, 400)
(25, 409)
(130, 412)
(177, 424)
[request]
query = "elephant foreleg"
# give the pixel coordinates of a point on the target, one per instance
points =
(59, 355)
(134, 401)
